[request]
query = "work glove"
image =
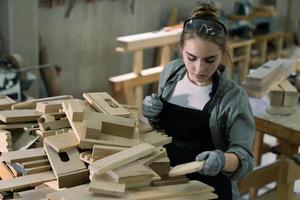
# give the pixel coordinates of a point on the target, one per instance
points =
(152, 108)
(214, 162)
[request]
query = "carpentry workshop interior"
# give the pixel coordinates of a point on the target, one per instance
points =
(149, 99)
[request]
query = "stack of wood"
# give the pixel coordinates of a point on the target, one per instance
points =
(93, 147)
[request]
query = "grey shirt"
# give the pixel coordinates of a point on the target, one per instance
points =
(231, 121)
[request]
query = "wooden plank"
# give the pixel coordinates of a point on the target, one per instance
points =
(62, 142)
(31, 104)
(103, 102)
(104, 184)
(121, 158)
(89, 143)
(13, 116)
(38, 169)
(20, 156)
(44, 134)
(157, 154)
(186, 168)
(6, 102)
(156, 138)
(34, 163)
(102, 151)
(291, 95)
(5, 172)
(170, 181)
(18, 125)
(49, 107)
(26, 181)
(66, 166)
(132, 172)
(54, 125)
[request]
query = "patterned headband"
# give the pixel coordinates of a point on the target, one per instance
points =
(206, 26)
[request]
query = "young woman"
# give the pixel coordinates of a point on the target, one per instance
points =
(207, 114)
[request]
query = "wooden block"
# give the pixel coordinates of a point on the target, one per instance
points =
(156, 138)
(67, 165)
(170, 181)
(108, 140)
(5, 141)
(102, 151)
(13, 116)
(49, 107)
(44, 134)
(20, 156)
(5, 172)
(186, 168)
(103, 102)
(121, 158)
(54, 125)
(6, 102)
(104, 184)
(38, 169)
(161, 167)
(157, 154)
(26, 181)
(31, 104)
(276, 96)
(34, 163)
(130, 173)
(93, 126)
(76, 111)
(62, 142)
(18, 125)
(291, 95)
(115, 125)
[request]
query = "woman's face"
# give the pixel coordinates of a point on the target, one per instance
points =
(201, 58)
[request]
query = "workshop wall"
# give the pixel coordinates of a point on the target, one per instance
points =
(83, 44)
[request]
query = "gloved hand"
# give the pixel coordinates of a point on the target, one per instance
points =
(152, 108)
(214, 162)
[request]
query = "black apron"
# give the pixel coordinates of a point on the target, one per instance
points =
(191, 135)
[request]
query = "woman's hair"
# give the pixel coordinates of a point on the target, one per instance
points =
(204, 24)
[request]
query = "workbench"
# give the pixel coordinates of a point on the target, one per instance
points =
(286, 129)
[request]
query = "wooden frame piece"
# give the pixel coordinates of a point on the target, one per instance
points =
(62, 142)
(14, 116)
(21, 156)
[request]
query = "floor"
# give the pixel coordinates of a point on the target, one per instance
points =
(266, 159)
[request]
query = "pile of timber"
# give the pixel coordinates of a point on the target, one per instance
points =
(64, 148)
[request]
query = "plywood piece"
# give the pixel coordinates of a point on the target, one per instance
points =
(76, 111)
(121, 158)
(93, 126)
(13, 116)
(291, 95)
(62, 142)
(20, 156)
(5, 172)
(49, 107)
(31, 104)
(103, 102)
(5, 141)
(186, 168)
(104, 184)
(102, 151)
(25, 181)
(132, 172)
(6, 102)
(156, 138)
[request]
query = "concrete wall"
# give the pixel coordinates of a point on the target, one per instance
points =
(83, 45)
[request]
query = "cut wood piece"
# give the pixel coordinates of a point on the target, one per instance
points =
(170, 181)
(13, 116)
(23, 140)
(186, 168)
(54, 125)
(36, 194)
(49, 107)
(157, 154)
(102, 151)
(93, 126)
(21, 156)
(161, 167)
(276, 96)
(76, 111)
(86, 157)
(104, 184)
(108, 140)
(156, 138)
(121, 158)
(115, 125)
(5, 172)
(144, 127)
(103, 102)
(5, 141)
(6, 102)
(26, 181)
(130, 173)
(31, 104)
(38, 169)
(63, 142)
(18, 125)
(44, 134)
(291, 95)
(34, 163)
(67, 165)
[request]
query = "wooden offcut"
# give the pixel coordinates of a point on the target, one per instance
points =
(6, 102)
(62, 142)
(76, 110)
(156, 138)
(186, 168)
(14, 116)
(20, 156)
(49, 107)
(5, 141)
(102, 151)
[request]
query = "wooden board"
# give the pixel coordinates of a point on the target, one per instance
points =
(170, 181)
(20, 156)
(157, 154)
(44, 134)
(6, 102)
(104, 184)
(103, 102)
(25, 181)
(34, 163)
(156, 138)
(5, 172)
(18, 125)
(102, 151)
(13, 116)
(49, 107)
(121, 158)
(36, 194)
(62, 142)
(186, 168)
(161, 166)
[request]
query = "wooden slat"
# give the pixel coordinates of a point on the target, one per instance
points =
(102, 151)
(186, 168)
(6, 102)
(13, 116)
(27, 155)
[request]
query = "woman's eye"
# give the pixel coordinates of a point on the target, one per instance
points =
(210, 61)
(191, 58)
